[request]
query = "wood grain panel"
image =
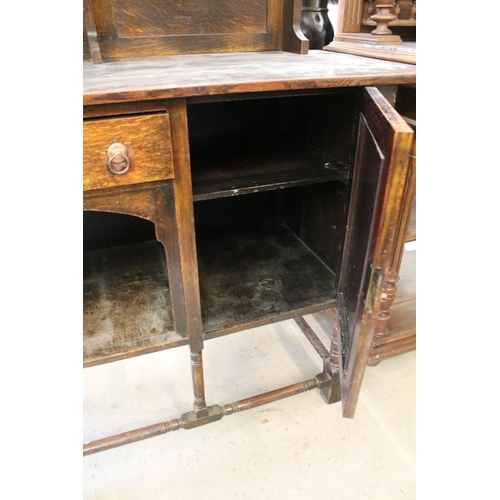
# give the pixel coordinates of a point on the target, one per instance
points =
(141, 28)
(139, 203)
(124, 48)
(184, 220)
(411, 235)
(104, 18)
(258, 275)
(349, 16)
(148, 142)
(142, 18)
(127, 309)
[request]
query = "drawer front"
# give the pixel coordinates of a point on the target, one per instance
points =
(124, 151)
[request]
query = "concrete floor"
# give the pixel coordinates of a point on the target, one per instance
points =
(296, 448)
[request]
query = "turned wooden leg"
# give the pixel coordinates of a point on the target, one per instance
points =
(167, 234)
(383, 17)
(329, 379)
(185, 262)
(334, 345)
(389, 290)
(198, 381)
(330, 391)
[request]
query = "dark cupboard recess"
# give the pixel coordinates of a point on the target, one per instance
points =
(260, 263)
(263, 262)
(126, 293)
(251, 145)
(270, 226)
(262, 258)
(271, 190)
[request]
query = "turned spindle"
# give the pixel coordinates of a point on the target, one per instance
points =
(397, 8)
(388, 295)
(383, 17)
(371, 7)
(413, 15)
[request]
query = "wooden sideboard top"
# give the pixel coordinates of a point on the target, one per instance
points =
(211, 74)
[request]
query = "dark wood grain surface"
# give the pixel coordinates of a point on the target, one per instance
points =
(254, 172)
(135, 18)
(379, 181)
(143, 28)
(192, 75)
(126, 305)
(264, 274)
(184, 224)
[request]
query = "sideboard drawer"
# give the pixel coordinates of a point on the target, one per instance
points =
(128, 150)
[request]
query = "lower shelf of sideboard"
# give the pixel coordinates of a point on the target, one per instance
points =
(247, 280)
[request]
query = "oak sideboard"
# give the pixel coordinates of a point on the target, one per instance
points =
(232, 184)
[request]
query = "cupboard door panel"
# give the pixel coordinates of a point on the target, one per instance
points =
(380, 170)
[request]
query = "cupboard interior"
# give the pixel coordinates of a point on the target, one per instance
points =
(269, 256)
(271, 185)
(249, 144)
(126, 297)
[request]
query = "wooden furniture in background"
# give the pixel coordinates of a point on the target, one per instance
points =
(263, 186)
(396, 329)
(373, 22)
(357, 31)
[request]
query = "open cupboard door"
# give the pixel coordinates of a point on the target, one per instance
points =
(380, 170)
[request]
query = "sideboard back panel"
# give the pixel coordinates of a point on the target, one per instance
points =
(192, 17)
(136, 28)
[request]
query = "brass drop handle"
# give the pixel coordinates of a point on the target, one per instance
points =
(118, 160)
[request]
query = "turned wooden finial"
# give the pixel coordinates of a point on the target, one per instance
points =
(413, 14)
(371, 7)
(397, 8)
(383, 17)
(379, 12)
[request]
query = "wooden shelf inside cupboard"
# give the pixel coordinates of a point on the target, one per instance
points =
(247, 145)
(247, 279)
(252, 278)
(126, 303)
(253, 170)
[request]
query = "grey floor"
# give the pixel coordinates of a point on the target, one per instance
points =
(296, 448)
